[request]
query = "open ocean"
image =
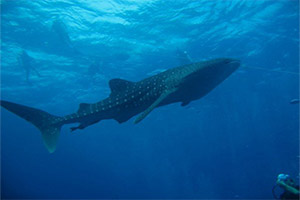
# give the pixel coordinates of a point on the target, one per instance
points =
(230, 144)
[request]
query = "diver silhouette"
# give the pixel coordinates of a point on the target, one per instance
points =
(27, 63)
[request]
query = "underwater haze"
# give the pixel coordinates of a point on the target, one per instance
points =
(230, 144)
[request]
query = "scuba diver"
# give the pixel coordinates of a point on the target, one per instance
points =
(27, 63)
(183, 57)
(291, 190)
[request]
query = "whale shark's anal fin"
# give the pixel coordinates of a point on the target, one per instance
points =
(84, 125)
(164, 95)
(48, 124)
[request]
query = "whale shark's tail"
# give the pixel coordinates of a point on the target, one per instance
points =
(48, 124)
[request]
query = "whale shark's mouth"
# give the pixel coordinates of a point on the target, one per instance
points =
(234, 63)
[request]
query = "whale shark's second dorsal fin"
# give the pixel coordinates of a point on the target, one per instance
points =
(119, 85)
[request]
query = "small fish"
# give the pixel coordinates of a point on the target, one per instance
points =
(294, 101)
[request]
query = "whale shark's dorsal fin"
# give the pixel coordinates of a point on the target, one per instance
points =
(163, 96)
(119, 85)
(83, 106)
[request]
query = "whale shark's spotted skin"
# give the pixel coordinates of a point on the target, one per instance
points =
(130, 98)
(127, 99)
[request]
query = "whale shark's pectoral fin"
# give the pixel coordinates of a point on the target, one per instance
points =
(158, 101)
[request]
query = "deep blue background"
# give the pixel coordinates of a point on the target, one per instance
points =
(230, 144)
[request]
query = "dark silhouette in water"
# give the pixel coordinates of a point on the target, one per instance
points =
(59, 28)
(27, 63)
(294, 101)
(62, 41)
(127, 99)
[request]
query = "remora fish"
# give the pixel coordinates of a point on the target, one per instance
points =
(127, 99)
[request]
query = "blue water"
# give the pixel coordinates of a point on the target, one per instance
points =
(230, 144)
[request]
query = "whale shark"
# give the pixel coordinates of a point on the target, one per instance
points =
(182, 84)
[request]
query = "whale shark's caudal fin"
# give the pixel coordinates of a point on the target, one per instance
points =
(48, 124)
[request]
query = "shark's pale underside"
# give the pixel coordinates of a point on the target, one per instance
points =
(127, 99)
